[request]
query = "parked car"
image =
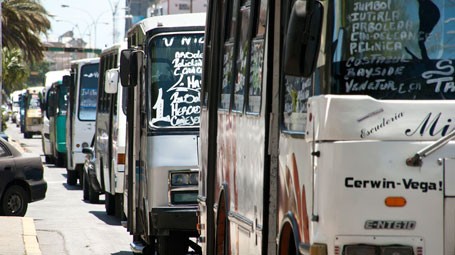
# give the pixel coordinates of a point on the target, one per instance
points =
(21, 180)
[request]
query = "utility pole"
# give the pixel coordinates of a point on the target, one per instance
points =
(114, 13)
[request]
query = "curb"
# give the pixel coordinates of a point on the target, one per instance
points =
(30, 237)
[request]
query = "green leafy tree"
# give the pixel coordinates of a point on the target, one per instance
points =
(15, 71)
(23, 21)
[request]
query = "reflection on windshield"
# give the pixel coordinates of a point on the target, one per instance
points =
(88, 92)
(395, 49)
(176, 71)
(34, 102)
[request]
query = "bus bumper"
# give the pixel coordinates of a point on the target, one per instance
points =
(177, 219)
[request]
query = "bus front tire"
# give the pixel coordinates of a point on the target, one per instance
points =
(71, 177)
(109, 203)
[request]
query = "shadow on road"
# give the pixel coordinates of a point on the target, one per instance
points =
(71, 187)
(122, 253)
(110, 220)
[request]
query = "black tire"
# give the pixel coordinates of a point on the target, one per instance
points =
(48, 159)
(149, 250)
(14, 201)
(60, 160)
(71, 177)
(174, 244)
(93, 196)
(27, 135)
(85, 187)
(109, 203)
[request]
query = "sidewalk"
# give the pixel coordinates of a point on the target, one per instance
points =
(18, 236)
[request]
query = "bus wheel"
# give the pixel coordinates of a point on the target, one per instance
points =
(27, 135)
(85, 185)
(221, 230)
(174, 244)
(48, 159)
(287, 244)
(60, 161)
(71, 177)
(109, 203)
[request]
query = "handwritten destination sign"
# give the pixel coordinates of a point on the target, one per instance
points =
(176, 80)
(393, 49)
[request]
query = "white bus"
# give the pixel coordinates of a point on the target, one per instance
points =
(15, 107)
(327, 127)
(162, 69)
(81, 114)
(110, 132)
(168, 7)
(50, 78)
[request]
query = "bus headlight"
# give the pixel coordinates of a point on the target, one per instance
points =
(183, 187)
(184, 178)
(179, 179)
(194, 179)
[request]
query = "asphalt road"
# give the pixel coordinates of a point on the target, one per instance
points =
(65, 224)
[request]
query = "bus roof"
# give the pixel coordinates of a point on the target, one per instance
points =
(53, 76)
(114, 48)
(85, 60)
(174, 20)
(15, 95)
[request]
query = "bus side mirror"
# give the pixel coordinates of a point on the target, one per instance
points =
(303, 38)
(128, 67)
(111, 81)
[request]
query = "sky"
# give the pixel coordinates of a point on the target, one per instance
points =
(83, 17)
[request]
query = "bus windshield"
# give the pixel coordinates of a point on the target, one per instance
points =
(394, 49)
(175, 80)
(88, 92)
(34, 101)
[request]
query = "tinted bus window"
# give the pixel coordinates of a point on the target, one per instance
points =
(88, 92)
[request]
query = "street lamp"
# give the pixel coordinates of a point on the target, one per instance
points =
(114, 13)
(91, 17)
(72, 23)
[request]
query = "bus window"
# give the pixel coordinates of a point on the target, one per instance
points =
(88, 92)
(34, 102)
(175, 80)
(407, 55)
(242, 57)
(231, 9)
(257, 61)
(296, 92)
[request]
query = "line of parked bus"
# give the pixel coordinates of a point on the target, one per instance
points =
(126, 125)
(26, 110)
(308, 132)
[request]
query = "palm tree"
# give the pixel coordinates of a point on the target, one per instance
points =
(23, 21)
(15, 71)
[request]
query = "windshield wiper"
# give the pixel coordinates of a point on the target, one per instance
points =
(416, 160)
